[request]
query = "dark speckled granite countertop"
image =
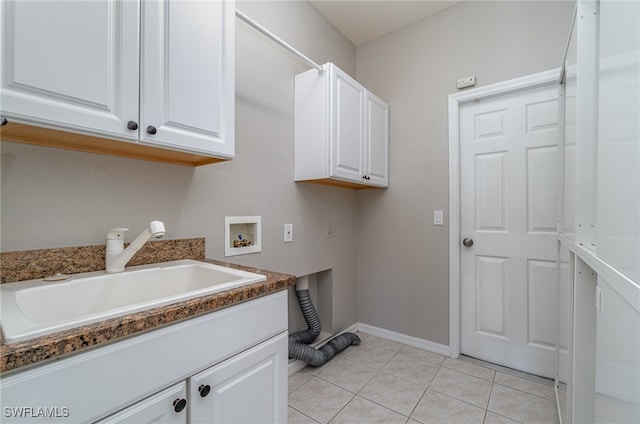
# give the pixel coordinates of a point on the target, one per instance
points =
(21, 354)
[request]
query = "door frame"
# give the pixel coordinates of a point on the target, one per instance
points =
(455, 101)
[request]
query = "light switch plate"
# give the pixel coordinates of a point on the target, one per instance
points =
(288, 233)
(438, 217)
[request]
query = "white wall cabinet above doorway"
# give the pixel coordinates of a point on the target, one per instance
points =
(149, 74)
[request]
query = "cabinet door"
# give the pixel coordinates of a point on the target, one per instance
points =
(167, 406)
(347, 137)
(377, 141)
(251, 387)
(187, 75)
(71, 63)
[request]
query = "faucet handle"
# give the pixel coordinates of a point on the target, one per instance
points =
(116, 233)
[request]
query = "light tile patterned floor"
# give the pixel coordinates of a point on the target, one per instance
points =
(381, 381)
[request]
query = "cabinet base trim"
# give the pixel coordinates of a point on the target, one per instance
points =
(338, 183)
(21, 133)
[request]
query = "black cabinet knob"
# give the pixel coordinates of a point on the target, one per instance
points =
(132, 125)
(3, 121)
(151, 129)
(204, 390)
(179, 404)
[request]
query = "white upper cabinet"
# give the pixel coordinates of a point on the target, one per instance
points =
(71, 64)
(187, 75)
(154, 73)
(377, 141)
(341, 131)
(347, 131)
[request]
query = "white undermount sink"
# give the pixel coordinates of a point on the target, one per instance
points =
(36, 307)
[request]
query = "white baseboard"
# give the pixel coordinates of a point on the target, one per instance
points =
(297, 365)
(404, 339)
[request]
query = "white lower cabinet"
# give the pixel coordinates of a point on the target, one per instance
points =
(225, 366)
(220, 394)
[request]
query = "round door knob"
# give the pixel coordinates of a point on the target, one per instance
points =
(3, 121)
(151, 129)
(467, 242)
(132, 125)
(204, 390)
(179, 404)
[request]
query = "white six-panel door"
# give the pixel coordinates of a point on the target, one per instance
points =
(509, 284)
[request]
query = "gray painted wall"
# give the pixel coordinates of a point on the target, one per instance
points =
(53, 198)
(403, 275)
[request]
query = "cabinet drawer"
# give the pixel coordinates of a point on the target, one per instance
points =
(158, 409)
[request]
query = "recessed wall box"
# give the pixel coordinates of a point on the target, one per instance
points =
(242, 234)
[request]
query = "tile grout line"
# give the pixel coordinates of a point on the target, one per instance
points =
(341, 409)
(300, 412)
(506, 370)
(399, 353)
(524, 391)
(493, 382)
(374, 376)
(425, 392)
(377, 372)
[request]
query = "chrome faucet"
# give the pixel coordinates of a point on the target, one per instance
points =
(117, 255)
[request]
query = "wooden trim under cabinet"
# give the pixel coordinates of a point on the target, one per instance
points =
(338, 183)
(21, 133)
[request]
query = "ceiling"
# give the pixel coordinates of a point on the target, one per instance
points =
(363, 20)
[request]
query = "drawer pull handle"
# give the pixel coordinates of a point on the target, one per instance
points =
(151, 129)
(132, 125)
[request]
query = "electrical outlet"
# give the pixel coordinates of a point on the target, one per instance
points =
(288, 233)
